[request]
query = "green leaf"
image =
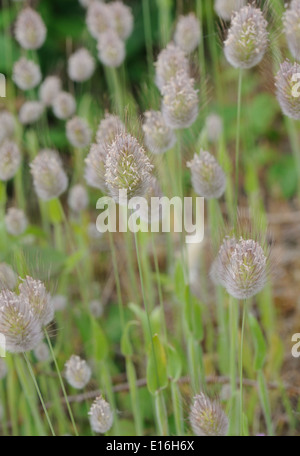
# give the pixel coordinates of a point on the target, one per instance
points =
(193, 315)
(157, 377)
(259, 343)
(174, 363)
(99, 341)
(126, 345)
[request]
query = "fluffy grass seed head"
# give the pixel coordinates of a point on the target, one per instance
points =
(101, 416)
(10, 160)
(291, 22)
(180, 101)
(241, 267)
(108, 129)
(31, 112)
(225, 8)
(169, 61)
(77, 372)
(8, 277)
(49, 177)
(26, 74)
(78, 132)
(19, 325)
(78, 199)
(30, 30)
(127, 167)
(38, 299)
(111, 49)
(208, 178)
(158, 136)
(15, 221)
(64, 105)
(207, 417)
(96, 308)
(247, 39)
(95, 167)
(288, 93)
(123, 19)
(81, 65)
(99, 18)
(188, 33)
(214, 127)
(42, 352)
(49, 89)
(7, 125)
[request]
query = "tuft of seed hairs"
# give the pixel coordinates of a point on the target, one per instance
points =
(111, 49)
(64, 105)
(77, 372)
(78, 199)
(169, 61)
(26, 74)
(291, 22)
(101, 416)
(225, 8)
(158, 136)
(8, 277)
(207, 417)
(188, 33)
(81, 65)
(30, 30)
(287, 89)
(10, 160)
(49, 89)
(31, 112)
(78, 132)
(15, 221)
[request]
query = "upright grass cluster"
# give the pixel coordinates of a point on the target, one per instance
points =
(163, 335)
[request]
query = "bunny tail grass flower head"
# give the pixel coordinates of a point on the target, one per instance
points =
(158, 136)
(81, 65)
(30, 30)
(108, 129)
(207, 417)
(111, 49)
(42, 352)
(7, 125)
(18, 324)
(291, 22)
(64, 105)
(26, 74)
(15, 221)
(242, 265)
(31, 112)
(169, 62)
(78, 199)
(10, 160)
(180, 101)
(127, 167)
(188, 33)
(225, 8)
(99, 18)
(49, 177)
(77, 372)
(288, 93)
(101, 416)
(8, 278)
(38, 299)
(78, 132)
(247, 39)
(49, 89)
(214, 127)
(123, 19)
(208, 178)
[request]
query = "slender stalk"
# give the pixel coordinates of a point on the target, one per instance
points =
(237, 145)
(148, 34)
(117, 278)
(38, 392)
(160, 295)
(61, 383)
(241, 367)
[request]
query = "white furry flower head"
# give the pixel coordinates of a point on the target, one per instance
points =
(19, 325)
(288, 91)
(81, 65)
(169, 61)
(180, 101)
(242, 266)
(291, 22)
(49, 177)
(101, 416)
(38, 299)
(99, 18)
(77, 372)
(247, 39)
(30, 30)
(15, 221)
(111, 49)
(158, 136)
(64, 105)
(26, 74)
(8, 277)
(208, 178)
(127, 167)
(207, 417)
(225, 8)
(49, 89)
(78, 199)
(188, 33)
(7, 125)
(79, 133)
(10, 160)
(108, 129)
(214, 127)
(31, 112)
(123, 19)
